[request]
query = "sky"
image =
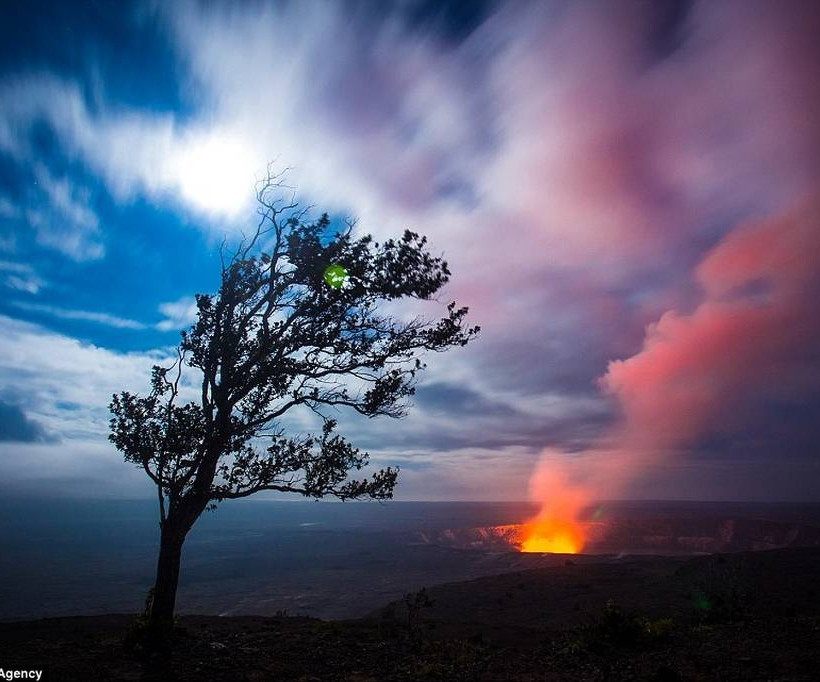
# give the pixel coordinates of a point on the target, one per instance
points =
(628, 195)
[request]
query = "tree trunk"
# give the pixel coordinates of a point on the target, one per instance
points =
(165, 587)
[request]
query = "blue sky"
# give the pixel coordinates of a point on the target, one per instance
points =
(116, 260)
(583, 167)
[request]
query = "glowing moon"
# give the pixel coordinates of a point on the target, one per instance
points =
(216, 173)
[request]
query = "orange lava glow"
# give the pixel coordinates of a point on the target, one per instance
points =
(553, 535)
(557, 528)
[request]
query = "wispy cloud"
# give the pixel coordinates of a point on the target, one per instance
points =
(85, 315)
(61, 216)
(67, 384)
(21, 277)
(29, 283)
(8, 209)
(9, 212)
(201, 166)
(178, 314)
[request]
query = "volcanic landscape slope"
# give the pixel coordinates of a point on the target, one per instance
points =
(533, 625)
(773, 583)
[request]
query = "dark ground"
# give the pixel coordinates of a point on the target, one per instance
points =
(745, 616)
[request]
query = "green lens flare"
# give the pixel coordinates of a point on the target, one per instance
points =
(335, 276)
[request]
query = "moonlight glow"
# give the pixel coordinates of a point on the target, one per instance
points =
(216, 174)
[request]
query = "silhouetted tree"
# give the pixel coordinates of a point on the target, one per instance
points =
(279, 334)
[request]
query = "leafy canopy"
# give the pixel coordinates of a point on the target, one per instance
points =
(275, 337)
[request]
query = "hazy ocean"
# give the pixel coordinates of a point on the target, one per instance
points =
(325, 559)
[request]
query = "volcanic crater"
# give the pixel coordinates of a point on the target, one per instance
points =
(667, 536)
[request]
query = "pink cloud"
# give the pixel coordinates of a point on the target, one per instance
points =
(751, 340)
(753, 337)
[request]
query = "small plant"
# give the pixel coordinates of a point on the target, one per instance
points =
(415, 603)
(656, 630)
(615, 627)
(143, 637)
(451, 661)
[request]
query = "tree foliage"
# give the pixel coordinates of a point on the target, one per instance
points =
(275, 337)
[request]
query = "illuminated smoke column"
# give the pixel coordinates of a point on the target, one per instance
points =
(556, 528)
(753, 337)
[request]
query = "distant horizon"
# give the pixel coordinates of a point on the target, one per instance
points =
(298, 500)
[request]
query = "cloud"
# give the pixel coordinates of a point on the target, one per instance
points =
(61, 218)
(30, 284)
(134, 152)
(56, 208)
(459, 401)
(574, 128)
(8, 213)
(178, 314)
(15, 426)
(86, 315)
(553, 124)
(753, 337)
(68, 384)
(469, 474)
(388, 96)
(21, 277)
(575, 162)
(90, 469)
(8, 209)
(64, 387)
(729, 370)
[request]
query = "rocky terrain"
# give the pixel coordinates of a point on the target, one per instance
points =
(739, 616)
